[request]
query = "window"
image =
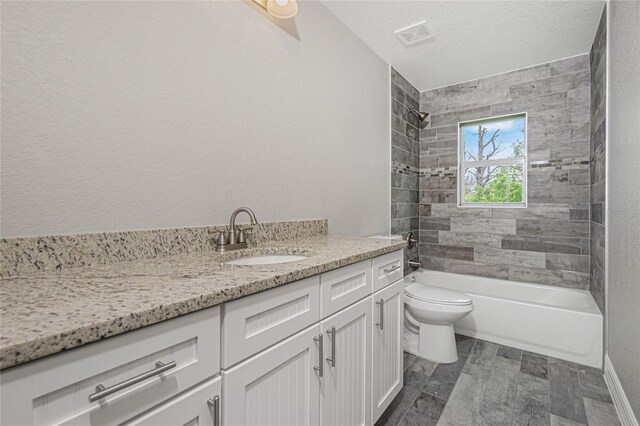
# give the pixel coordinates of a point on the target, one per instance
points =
(492, 157)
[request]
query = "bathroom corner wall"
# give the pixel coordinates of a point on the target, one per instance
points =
(598, 59)
(623, 203)
(545, 243)
(405, 160)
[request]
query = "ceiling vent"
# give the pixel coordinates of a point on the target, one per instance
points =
(415, 33)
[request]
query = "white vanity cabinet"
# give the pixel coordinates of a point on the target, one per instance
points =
(387, 358)
(325, 350)
(344, 370)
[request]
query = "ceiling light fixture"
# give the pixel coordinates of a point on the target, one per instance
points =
(281, 9)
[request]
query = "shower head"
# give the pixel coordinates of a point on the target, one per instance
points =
(422, 117)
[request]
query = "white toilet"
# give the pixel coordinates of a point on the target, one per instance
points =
(429, 316)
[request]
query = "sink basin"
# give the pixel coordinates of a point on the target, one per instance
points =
(270, 259)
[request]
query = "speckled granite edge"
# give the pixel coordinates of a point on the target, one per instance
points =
(34, 255)
(49, 344)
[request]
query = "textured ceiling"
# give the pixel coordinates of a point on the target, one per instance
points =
(474, 39)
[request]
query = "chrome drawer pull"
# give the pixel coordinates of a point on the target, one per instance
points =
(214, 404)
(380, 304)
(102, 392)
(332, 359)
(390, 270)
(320, 367)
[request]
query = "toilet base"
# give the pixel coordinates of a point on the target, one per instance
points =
(437, 343)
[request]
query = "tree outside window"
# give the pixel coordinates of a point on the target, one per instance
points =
(492, 165)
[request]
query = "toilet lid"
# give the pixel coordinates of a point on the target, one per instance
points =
(440, 295)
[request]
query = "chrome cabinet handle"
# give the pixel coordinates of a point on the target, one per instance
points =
(380, 304)
(102, 392)
(332, 360)
(320, 367)
(214, 404)
(390, 270)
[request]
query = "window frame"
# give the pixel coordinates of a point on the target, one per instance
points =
(462, 165)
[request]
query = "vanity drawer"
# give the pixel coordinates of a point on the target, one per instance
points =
(342, 287)
(256, 322)
(57, 389)
(199, 406)
(387, 269)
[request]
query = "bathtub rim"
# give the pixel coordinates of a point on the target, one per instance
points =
(591, 309)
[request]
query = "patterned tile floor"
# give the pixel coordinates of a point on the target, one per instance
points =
(492, 385)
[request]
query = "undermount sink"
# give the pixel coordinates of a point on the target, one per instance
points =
(270, 259)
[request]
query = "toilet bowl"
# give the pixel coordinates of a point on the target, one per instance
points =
(429, 316)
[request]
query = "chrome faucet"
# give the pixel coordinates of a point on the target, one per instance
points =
(235, 241)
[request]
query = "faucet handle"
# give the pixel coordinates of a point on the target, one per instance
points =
(221, 241)
(241, 236)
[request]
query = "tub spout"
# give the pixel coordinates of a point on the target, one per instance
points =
(414, 263)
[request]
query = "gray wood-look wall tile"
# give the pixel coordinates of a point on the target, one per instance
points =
(567, 262)
(563, 194)
(478, 269)
(552, 228)
(545, 244)
(435, 223)
(530, 259)
(497, 226)
(449, 252)
(470, 239)
(598, 164)
(568, 279)
(569, 65)
(556, 97)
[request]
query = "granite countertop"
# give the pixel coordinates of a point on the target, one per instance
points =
(55, 311)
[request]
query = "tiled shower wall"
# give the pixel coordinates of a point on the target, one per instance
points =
(405, 160)
(598, 58)
(547, 242)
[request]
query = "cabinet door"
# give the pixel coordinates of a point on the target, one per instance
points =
(345, 395)
(388, 311)
(279, 386)
(200, 406)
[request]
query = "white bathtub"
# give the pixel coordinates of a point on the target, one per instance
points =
(558, 322)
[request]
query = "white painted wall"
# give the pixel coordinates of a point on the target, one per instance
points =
(623, 242)
(136, 115)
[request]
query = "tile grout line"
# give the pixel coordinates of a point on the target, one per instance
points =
(515, 405)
